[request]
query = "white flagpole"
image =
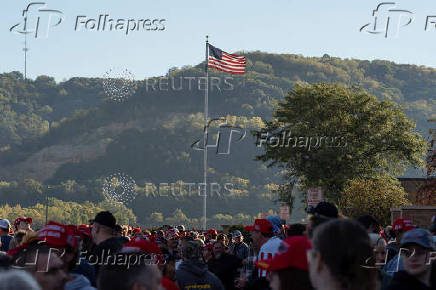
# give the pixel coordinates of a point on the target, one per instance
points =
(206, 104)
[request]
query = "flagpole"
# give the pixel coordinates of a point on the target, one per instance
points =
(206, 104)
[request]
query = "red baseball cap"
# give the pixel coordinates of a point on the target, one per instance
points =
(85, 230)
(261, 225)
(291, 254)
(74, 236)
(136, 230)
(144, 246)
(54, 234)
(140, 245)
(403, 224)
(212, 231)
(22, 218)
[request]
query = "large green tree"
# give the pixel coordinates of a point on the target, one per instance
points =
(325, 134)
(375, 196)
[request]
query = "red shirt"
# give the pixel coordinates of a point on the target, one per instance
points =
(168, 284)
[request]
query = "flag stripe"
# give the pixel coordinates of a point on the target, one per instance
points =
(226, 66)
(234, 56)
(226, 63)
(229, 71)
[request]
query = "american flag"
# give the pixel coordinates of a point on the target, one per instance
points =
(227, 62)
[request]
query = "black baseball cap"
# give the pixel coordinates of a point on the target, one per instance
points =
(105, 218)
(324, 209)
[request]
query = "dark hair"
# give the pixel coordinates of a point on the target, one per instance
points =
(18, 236)
(5, 261)
(267, 235)
(344, 247)
(294, 279)
(186, 238)
(122, 276)
(222, 237)
(296, 230)
(316, 221)
(367, 221)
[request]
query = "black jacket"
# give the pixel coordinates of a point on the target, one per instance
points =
(193, 274)
(105, 252)
(403, 281)
(225, 268)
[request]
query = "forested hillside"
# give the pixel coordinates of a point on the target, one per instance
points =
(70, 136)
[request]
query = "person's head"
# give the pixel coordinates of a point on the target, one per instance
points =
(172, 238)
(289, 278)
(211, 234)
(415, 248)
(380, 253)
(218, 249)
(5, 227)
(44, 264)
(341, 249)
(16, 279)
(323, 212)
(23, 223)
(136, 274)
(369, 223)
(260, 232)
(118, 231)
(400, 227)
(183, 240)
(194, 235)
(222, 238)
(289, 268)
(103, 227)
(296, 230)
(181, 228)
(65, 239)
(237, 237)
(191, 250)
(277, 224)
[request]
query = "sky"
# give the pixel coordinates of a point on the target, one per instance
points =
(309, 28)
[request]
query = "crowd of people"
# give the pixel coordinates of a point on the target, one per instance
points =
(329, 252)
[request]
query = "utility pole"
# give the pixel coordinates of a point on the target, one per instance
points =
(46, 203)
(25, 49)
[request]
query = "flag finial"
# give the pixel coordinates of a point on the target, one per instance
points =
(207, 38)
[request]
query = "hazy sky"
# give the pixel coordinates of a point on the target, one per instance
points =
(310, 28)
